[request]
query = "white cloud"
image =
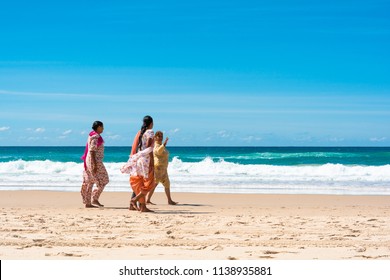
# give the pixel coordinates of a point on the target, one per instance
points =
(173, 131)
(303, 138)
(335, 139)
(252, 138)
(67, 132)
(114, 137)
(39, 130)
(376, 139)
(51, 94)
(4, 128)
(223, 133)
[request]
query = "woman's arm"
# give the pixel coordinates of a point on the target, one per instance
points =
(135, 144)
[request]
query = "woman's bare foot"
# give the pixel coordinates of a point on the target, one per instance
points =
(96, 202)
(149, 202)
(172, 202)
(90, 206)
(145, 209)
(133, 205)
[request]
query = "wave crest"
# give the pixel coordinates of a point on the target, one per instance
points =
(210, 175)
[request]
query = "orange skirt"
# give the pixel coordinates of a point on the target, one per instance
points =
(141, 185)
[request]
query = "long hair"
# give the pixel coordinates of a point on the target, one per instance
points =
(146, 122)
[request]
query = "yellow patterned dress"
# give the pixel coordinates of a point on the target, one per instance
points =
(161, 157)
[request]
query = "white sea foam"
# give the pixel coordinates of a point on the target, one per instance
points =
(209, 176)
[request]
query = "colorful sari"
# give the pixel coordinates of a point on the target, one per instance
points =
(140, 166)
(100, 177)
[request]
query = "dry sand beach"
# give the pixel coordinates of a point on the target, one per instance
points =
(54, 225)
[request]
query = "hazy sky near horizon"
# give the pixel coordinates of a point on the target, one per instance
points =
(210, 73)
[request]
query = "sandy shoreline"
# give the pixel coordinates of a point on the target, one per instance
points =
(54, 225)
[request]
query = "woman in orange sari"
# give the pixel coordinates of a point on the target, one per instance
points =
(141, 165)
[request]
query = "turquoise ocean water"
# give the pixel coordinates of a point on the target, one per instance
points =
(320, 170)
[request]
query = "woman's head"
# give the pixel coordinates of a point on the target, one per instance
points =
(147, 122)
(98, 127)
(158, 136)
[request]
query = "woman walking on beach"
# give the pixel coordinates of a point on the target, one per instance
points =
(161, 157)
(141, 165)
(94, 170)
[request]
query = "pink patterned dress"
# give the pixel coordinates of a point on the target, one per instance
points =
(100, 178)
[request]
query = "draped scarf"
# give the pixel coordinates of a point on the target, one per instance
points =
(138, 159)
(100, 141)
(131, 166)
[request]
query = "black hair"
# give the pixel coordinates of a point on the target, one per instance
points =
(96, 124)
(146, 122)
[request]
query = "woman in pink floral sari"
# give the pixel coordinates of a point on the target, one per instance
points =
(94, 170)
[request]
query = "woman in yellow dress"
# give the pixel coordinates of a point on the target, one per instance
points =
(161, 157)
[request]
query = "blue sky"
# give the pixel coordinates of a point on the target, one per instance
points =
(214, 73)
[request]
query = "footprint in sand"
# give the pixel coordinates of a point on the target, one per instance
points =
(200, 248)
(266, 257)
(218, 248)
(361, 249)
(271, 252)
(39, 240)
(71, 255)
